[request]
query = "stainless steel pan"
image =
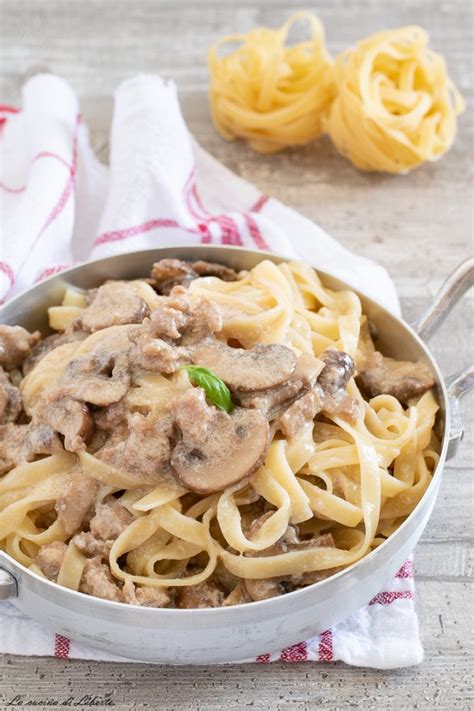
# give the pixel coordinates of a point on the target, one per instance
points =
(227, 634)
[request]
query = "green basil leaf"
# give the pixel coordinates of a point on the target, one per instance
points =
(215, 388)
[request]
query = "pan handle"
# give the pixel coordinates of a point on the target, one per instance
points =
(460, 383)
(455, 286)
(8, 585)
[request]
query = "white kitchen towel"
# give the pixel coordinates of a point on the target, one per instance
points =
(60, 205)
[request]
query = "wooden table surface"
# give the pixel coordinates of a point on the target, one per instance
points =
(418, 226)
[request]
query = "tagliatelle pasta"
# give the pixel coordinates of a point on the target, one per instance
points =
(270, 93)
(388, 103)
(396, 106)
(323, 496)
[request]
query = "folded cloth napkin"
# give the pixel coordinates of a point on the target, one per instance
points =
(60, 205)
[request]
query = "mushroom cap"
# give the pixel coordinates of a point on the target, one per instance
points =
(258, 368)
(68, 416)
(114, 304)
(99, 372)
(234, 447)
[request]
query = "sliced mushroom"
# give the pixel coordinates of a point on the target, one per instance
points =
(168, 273)
(216, 450)
(100, 377)
(331, 388)
(338, 370)
(48, 344)
(114, 304)
(258, 368)
(68, 416)
(402, 379)
(274, 401)
(10, 399)
(15, 345)
(22, 443)
(214, 269)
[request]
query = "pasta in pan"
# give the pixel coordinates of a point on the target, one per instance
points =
(207, 438)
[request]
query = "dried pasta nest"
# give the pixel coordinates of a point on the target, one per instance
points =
(396, 106)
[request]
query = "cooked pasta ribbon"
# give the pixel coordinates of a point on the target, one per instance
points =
(356, 480)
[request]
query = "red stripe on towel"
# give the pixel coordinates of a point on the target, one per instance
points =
(117, 235)
(262, 200)
(386, 598)
(62, 646)
(263, 659)
(65, 195)
(295, 653)
(189, 190)
(39, 156)
(254, 232)
(325, 649)
(229, 231)
(49, 271)
(406, 571)
(12, 190)
(6, 269)
(195, 194)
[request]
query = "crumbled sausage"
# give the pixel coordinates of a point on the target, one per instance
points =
(298, 414)
(144, 450)
(110, 519)
(238, 596)
(74, 504)
(49, 559)
(168, 273)
(162, 341)
(145, 596)
(402, 379)
(206, 594)
(97, 580)
(91, 546)
(155, 354)
(264, 589)
(15, 345)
